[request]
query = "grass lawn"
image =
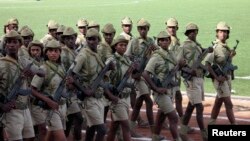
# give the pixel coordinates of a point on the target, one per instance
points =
(205, 13)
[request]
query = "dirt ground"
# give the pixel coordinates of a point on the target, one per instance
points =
(241, 110)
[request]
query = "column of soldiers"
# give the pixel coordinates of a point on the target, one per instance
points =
(49, 88)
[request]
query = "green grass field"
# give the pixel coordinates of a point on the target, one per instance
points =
(205, 13)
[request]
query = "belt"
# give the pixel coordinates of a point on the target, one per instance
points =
(21, 106)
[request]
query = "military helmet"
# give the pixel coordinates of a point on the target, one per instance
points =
(60, 29)
(93, 24)
(162, 34)
(119, 39)
(223, 26)
(191, 26)
(126, 21)
(52, 24)
(35, 43)
(26, 32)
(82, 22)
(92, 32)
(12, 21)
(52, 44)
(108, 28)
(172, 22)
(68, 32)
(13, 35)
(143, 22)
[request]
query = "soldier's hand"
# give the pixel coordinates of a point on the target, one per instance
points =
(8, 106)
(88, 91)
(69, 82)
(182, 63)
(52, 104)
(210, 49)
(221, 79)
(193, 72)
(233, 53)
(161, 90)
(115, 100)
(28, 73)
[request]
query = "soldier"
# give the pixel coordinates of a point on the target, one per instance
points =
(17, 117)
(137, 49)
(68, 55)
(222, 84)
(161, 62)
(59, 32)
(82, 25)
(127, 28)
(12, 24)
(120, 110)
(52, 28)
(35, 50)
(88, 66)
(43, 87)
(93, 24)
(190, 51)
(27, 35)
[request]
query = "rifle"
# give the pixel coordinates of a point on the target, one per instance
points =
(167, 81)
(143, 60)
(123, 83)
(228, 67)
(186, 72)
(16, 90)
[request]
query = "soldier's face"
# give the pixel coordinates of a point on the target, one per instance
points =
(53, 54)
(127, 28)
(193, 34)
(143, 31)
(108, 37)
(12, 46)
(164, 43)
(222, 35)
(27, 40)
(13, 27)
(58, 35)
(69, 41)
(35, 51)
(121, 48)
(92, 42)
(172, 30)
(82, 29)
(52, 32)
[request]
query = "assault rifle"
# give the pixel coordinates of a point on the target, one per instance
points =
(186, 71)
(228, 67)
(17, 90)
(167, 81)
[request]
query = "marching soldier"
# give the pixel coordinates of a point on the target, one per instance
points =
(82, 25)
(45, 87)
(27, 35)
(190, 52)
(59, 33)
(127, 28)
(137, 49)
(120, 110)
(35, 50)
(68, 55)
(222, 84)
(52, 28)
(88, 66)
(105, 51)
(162, 62)
(17, 118)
